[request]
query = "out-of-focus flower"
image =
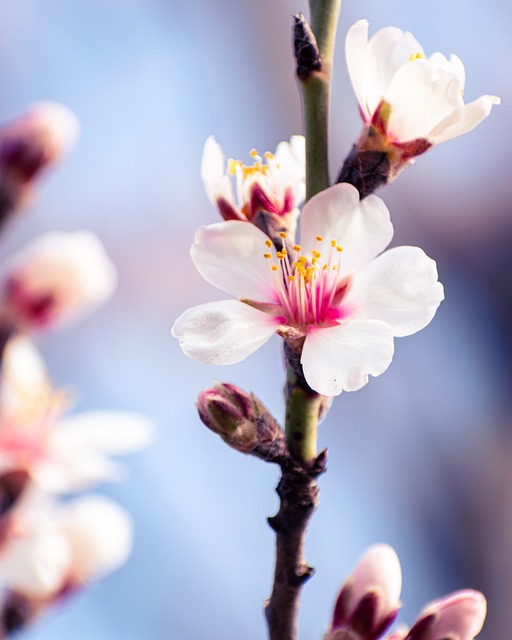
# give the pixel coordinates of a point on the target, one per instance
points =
(57, 278)
(458, 616)
(408, 102)
(274, 183)
(53, 548)
(369, 600)
(59, 454)
(330, 294)
(33, 142)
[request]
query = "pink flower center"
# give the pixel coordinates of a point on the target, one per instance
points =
(309, 288)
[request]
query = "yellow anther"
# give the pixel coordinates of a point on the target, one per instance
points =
(297, 247)
(268, 155)
(325, 267)
(296, 264)
(316, 254)
(254, 153)
(268, 243)
(281, 254)
(303, 260)
(333, 243)
(338, 248)
(232, 165)
(415, 56)
(319, 238)
(291, 278)
(282, 234)
(265, 170)
(335, 267)
(267, 256)
(275, 267)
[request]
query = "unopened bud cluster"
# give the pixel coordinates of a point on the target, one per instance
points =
(369, 601)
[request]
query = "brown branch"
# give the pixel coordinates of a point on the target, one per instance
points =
(298, 492)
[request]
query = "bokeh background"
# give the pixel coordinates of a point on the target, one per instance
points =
(420, 458)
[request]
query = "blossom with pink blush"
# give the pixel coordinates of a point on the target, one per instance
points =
(57, 278)
(344, 300)
(274, 183)
(370, 599)
(60, 454)
(458, 616)
(412, 100)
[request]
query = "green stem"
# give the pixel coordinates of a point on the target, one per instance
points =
(315, 91)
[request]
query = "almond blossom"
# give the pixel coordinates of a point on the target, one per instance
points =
(330, 292)
(56, 278)
(411, 101)
(274, 183)
(370, 599)
(53, 548)
(59, 453)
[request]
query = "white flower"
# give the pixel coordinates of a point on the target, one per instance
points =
(332, 290)
(415, 101)
(274, 183)
(56, 278)
(60, 454)
(51, 548)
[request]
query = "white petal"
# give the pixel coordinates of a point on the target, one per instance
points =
(400, 287)
(229, 255)
(421, 94)
(291, 158)
(356, 44)
(223, 332)
(213, 172)
(341, 358)
(113, 432)
(388, 50)
(35, 565)
(363, 229)
(100, 533)
(463, 119)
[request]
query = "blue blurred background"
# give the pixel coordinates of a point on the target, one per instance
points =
(420, 458)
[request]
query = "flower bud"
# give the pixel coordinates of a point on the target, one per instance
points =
(28, 145)
(57, 277)
(458, 616)
(369, 600)
(242, 421)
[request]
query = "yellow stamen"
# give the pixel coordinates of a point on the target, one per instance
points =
(268, 155)
(281, 254)
(232, 165)
(319, 238)
(316, 254)
(275, 267)
(297, 247)
(415, 56)
(282, 234)
(338, 248)
(254, 153)
(291, 278)
(334, 267)
(268, 256)
(333, 243)
(268, 243)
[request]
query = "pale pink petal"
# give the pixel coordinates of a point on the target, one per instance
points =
(463, 119)
(388, 50)
(378, 570)
(421, 94)
(229, 255)
(213, 172)
(100, 534)
(340, 358)
(223, 332)
(356, 44)
(363, 229)
(400, 287)
(35, 565)
(461, 615)
(291, 158)
(113, 432)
